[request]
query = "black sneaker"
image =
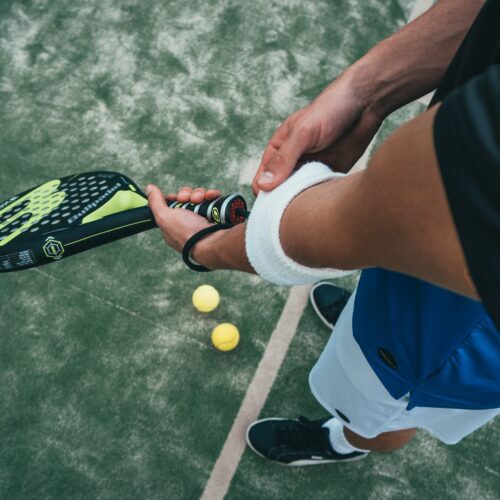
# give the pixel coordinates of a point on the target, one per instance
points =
(295, 442)
(328, 301)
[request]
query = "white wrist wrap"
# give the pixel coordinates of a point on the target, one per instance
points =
(263, 245)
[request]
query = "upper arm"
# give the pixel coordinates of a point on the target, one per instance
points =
(393, 215)
(407, 212)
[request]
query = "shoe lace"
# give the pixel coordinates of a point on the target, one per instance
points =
(308, 435)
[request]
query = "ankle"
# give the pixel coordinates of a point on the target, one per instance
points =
(383, 443)
(338, 439)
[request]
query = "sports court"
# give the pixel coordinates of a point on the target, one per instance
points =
(109, 386)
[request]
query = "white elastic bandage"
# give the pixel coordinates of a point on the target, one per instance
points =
(263, 245)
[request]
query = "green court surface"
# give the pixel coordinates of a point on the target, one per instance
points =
(109, 388)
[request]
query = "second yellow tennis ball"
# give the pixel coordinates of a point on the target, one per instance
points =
(206, 298)
(225, 337)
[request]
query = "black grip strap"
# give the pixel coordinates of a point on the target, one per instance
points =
(192, 242)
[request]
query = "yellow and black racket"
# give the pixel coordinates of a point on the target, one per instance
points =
(75, 213)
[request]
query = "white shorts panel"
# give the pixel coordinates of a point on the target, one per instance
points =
(343, 381)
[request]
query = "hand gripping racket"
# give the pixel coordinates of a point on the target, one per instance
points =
(75, 213)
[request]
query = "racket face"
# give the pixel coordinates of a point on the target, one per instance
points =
(68, 215)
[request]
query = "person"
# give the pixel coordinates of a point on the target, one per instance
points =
(417, 345)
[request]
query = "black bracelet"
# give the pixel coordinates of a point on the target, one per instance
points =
(192, 242)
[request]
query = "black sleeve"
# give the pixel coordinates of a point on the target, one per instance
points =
(467, 142)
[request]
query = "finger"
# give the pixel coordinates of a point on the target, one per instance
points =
(269, 151)
(184, 193)
(211, 194)
(273, 145)
(280, 157)
(198, 195)
(282, 163)
(343, 154)
(156, 202)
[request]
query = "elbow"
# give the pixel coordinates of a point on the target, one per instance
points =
(334, 245)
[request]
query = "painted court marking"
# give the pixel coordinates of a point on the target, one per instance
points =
(230, 456)
(235, 444)
(419, 7)
(258, 390)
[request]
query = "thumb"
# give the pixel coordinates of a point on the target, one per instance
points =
(156, 202)
(280, 164)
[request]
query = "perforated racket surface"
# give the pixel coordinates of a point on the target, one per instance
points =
(66, 216)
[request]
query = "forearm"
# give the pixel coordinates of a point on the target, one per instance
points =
(322, 227)
(393, 215)
(224, 250)
(410, 63)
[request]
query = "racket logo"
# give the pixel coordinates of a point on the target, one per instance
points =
(53, 249)
(216, 215)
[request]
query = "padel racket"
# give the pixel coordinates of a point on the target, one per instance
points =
(75, 213)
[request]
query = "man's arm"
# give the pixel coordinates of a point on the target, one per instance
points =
(340, 123)
(411, 63)
(393, 215)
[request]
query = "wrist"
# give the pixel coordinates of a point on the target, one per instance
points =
(203, 252)
(370, 85)
(223, 250)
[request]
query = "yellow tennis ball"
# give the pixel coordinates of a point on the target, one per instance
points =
(206, 298)
(225, 337)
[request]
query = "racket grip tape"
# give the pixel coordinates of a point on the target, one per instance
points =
(230, 209)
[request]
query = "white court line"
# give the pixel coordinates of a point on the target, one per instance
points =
(419, 7)
(257, 393)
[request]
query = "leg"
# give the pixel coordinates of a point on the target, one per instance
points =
(386, 442)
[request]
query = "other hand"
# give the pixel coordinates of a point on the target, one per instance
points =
(335, 128)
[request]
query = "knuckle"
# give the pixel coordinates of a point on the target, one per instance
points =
(161, 218)
(303, 128)
(278, 160)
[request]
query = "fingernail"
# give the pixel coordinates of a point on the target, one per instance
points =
(183, 193)
(148, 189)
(266, 177)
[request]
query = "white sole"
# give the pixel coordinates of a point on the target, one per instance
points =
(298, 463)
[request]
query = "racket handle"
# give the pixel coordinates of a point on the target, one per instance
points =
(230, 209)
